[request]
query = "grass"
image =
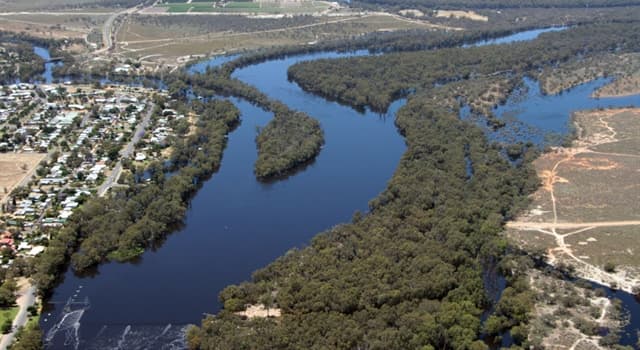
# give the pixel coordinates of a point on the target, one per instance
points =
(8, 314)
(617, 245)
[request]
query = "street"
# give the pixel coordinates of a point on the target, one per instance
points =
(126, 152)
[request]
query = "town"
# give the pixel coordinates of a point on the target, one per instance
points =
(60, 144)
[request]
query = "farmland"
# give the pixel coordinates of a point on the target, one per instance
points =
(247, 7)
(586, 213)
(66, 5)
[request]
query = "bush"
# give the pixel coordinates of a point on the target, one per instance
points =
(610, 267)
(6, 327)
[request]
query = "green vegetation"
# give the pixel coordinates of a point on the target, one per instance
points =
(276, 154)
(7, 314)
(610, 267)
(407, 275)
(287, 141)
(121, 227)
(29, 337)
(17, 59)
(377, 81)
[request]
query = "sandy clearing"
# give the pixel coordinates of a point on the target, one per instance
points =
(462, 14)
(260, 311)
(15, 169)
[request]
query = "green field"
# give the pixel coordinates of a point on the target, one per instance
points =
(246, 7)
(8, 314)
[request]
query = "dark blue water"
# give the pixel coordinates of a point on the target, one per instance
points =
(235, 224)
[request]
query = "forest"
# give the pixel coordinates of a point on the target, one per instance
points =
(378, 81)
(277, 155)
(409, 274)
(18, 58)
(286, 142)
(122, 226)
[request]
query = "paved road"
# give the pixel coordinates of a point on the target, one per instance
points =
(127, 152)
(26, 299)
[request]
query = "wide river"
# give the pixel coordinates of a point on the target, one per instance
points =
(235, 224)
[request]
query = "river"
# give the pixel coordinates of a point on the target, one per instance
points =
(235, 224)
(47, 75)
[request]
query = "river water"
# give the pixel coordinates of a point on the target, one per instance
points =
(47, 75)
(235, 224)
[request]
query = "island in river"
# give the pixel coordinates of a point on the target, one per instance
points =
(408, 272)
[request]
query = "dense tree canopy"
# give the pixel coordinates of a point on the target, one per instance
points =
(405, 276)
(376, 81)
(120, 227)
(287, 142)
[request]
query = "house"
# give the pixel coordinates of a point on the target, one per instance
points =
(140, 157)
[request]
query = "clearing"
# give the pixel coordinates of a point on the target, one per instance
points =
(586, 212)
(462, 15)
(16, 169)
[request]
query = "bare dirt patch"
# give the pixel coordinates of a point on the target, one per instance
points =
(587, 204)
(15, 168)
(259, 311)
(462, 15)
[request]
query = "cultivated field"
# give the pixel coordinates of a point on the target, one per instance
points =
(64, 5)
(586, 213)
(264, 7)
(15, 168)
